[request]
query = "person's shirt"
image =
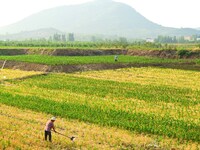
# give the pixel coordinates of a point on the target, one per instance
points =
(49, 126)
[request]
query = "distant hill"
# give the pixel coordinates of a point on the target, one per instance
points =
(97, 17)
(34, 34)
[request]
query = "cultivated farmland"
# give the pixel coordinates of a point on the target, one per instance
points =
(137, 108)
(66, 60)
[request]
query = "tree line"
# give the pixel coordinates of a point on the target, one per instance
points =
(180, 39)
(69, 41)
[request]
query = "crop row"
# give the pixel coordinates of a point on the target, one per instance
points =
(140, 122)
(163, 99)
(116, 90)
(160, 109)
(174, 110)
(178, 102)
(107, 138)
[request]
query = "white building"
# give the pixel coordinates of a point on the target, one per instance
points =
(198, 39)
(150, 40)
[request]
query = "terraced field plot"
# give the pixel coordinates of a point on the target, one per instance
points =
(60, 60)
(146, 101)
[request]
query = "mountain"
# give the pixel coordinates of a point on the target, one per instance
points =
(104, 17)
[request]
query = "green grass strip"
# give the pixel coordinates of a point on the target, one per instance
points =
(66, 60)
(140, 122)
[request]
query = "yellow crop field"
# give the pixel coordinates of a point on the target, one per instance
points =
(134, 108)
(7, 74)
(149, 75)
(23, 129)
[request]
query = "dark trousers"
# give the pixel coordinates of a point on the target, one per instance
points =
(46, 134)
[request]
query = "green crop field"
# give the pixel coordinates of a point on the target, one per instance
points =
(150, 101)
(60, 60)
(141, 45)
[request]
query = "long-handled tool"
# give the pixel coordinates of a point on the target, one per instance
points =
(71, 138)
(3, 65)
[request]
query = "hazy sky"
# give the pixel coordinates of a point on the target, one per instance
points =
(171, 13)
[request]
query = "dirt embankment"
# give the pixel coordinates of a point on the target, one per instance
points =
(62, 52)
(13, 52)
(88, 52)
(24, 66)
(186, 54)
(87, 67)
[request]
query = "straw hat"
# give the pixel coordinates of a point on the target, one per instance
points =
(53, 118)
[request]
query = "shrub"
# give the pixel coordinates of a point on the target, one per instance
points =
(184, 53)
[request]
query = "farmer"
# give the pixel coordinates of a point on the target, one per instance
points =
(116, 58)
(49, 126)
